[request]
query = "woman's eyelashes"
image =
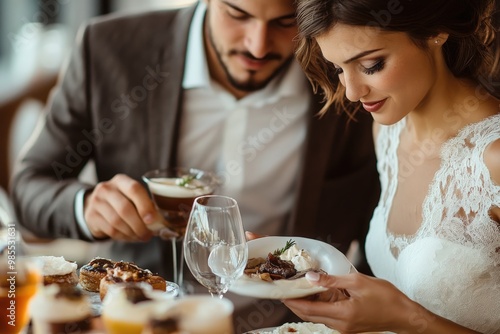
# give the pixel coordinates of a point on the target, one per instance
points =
(376, 67)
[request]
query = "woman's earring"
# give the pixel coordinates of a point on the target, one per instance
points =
(436, 41)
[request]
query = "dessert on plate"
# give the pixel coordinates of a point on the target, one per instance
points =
(60, 309)
(93, 272)
(57, 270)
(289, 262)
(123, 272)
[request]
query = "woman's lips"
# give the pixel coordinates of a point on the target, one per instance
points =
(373, 106)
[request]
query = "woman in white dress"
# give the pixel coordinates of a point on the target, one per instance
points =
(428, 72)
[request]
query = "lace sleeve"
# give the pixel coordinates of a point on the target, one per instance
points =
(463, 193)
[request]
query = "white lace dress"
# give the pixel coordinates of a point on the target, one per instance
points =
(451, 265)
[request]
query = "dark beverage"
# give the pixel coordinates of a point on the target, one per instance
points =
(175, 201)
(174, 191)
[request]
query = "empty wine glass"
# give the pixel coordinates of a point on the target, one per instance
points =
(215, 248)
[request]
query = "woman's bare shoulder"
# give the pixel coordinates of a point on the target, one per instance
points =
(492, 160)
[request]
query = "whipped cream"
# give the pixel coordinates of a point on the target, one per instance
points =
(168, 187)
(301, 259)
(50, 306)
(56, 265)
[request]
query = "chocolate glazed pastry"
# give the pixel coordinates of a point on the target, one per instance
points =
(129, 272)
(92, 273)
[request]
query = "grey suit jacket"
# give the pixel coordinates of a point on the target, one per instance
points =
(118, 102)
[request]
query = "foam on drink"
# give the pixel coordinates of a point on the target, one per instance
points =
(169, 187)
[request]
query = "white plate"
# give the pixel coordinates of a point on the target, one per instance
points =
(329, 258)
(258, 331)
(270, 329)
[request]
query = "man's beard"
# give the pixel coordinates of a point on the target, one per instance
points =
(249, 85)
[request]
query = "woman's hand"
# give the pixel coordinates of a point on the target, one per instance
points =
(251, 236)
(355, 303)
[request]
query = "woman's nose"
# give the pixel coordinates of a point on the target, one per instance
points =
(355, 88)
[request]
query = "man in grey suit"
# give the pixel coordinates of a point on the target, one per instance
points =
(213, 86)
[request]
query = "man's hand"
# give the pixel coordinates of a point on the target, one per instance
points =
(121, 209)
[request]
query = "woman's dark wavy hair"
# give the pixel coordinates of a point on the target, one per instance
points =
(472, 50)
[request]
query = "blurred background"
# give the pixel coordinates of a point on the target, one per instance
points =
(35, 38)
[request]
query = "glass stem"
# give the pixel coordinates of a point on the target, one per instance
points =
(180, 277)
(174, 258)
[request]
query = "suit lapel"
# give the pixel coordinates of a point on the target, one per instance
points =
(320, 135)
(165, 105)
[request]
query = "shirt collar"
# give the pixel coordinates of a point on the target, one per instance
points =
(196, 72)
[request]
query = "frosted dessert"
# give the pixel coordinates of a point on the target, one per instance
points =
(57, 270)
(60, 309)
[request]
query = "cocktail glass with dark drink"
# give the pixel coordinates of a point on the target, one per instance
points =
(174, 191)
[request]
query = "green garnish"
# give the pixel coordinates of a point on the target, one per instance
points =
(279, 251)
(184, 181)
